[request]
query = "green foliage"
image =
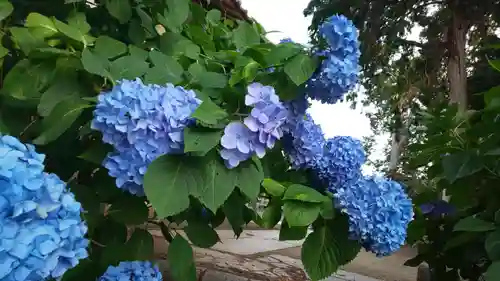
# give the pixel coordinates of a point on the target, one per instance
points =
(58, 57)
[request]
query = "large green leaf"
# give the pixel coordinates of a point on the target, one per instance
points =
(461, 164)
(249, 179)
(177, 45)
(282, 52)
(213, 17)
(245, 36)
(473, 224)
(140, 246)
(119, 9)
(304, 193)
(95, 64)
(182, 267)
(292, 233)
(168, 181)
(166, 69)
(300, 68)
(273, 187)
(301, 213)
(130, 210)
(210, 113)
(201, 234)
(175, 15)
(492, 245)
(271, 216)
(60, 119)
(73, 32)
(207, 79)
(219, 184)
(41, 25)
(128, 67)
(200, 141)
(328, 248)
(65, 87)
(109, 48)
(493, 272)
(234, 210)
(6, 9)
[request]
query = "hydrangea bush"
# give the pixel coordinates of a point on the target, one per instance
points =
(153, 112)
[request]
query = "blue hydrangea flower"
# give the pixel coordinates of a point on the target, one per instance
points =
(41, 232)
(142, 122)
(132, 271)
(239, 144)
(268, 114)
(296, 111)
(149, 117)
(128, 168)
(337, 76)
(341, 161)
(304, 143)
(339, 72)
(379, 212)
(341, 35)
(286, 40)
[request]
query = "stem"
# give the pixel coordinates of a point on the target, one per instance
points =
(164, 230)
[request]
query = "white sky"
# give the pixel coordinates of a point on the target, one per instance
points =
(286, 16)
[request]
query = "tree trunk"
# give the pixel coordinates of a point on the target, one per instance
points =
(457, 75)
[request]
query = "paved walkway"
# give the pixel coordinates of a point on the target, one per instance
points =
(258, 255)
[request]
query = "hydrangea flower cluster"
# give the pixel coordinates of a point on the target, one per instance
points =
(142, 122)
(339, 72)
(304, 143)
(379, 212)
(41, 232)
(341, 161)
(260, 129)
(132, 271)
(437, 208)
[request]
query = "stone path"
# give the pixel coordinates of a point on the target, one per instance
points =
(258, 256)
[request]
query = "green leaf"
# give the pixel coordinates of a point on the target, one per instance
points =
(130, 210)
(140, 246)
(41, 25)
(492, 245)
(493, 272)
(249, 179)
(138, 52)
(300, 68)
(176, 14)
(95, 64)
(119, 9)
(304, 193)
(273, 187)
(25, 40)
(35, 77)
(245, 36)
(473, 224)
(234, 210)
(219, 183)
(79, 21)
(128, 67)
(60, 119)
(292, 233)
(200, 141)
(210, 113)
(461, 164)
(207, 79)
(213, 17)
(328, 248)
(6, 9)
(182, 267)
(73, 33)
(166, 70)
(497, 217)
(271, 215)
(282, 52)
(3, 51)
(201, 234)
(168, 180)
(301, 213)
(176, 45)
(108, 47)
(327, 210)
(65, 87)
(96, 153)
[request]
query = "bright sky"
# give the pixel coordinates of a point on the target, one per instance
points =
(286, 16)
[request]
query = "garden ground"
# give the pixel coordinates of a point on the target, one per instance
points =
(258, 255)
